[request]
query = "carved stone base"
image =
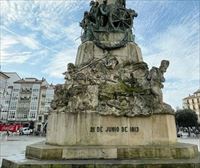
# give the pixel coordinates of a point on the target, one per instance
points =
(86, 128)
(89, 51)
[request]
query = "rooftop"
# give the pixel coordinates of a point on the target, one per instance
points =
(11, 73)
(29, 80)
(4, 75)
(198, 91)
(193, 95)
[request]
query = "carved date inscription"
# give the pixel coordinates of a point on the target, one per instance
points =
(114, 129)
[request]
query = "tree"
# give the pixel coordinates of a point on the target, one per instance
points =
(186, 118)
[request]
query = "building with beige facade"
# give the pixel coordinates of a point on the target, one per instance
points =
(30, 101)
(193, 102)
(46, 96)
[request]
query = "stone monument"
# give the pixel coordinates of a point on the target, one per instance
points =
(110, 110)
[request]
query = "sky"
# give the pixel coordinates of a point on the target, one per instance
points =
(38, 38)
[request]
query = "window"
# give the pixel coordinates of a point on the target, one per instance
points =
(45, 117)
(33, 107)
(35, 90)
(15, 90)
(32, 115)
(40, 118)
(34, 98)
(11, 115)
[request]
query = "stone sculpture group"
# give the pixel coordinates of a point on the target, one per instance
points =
(107, 85)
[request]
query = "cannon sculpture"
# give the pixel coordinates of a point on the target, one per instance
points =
(108, 18)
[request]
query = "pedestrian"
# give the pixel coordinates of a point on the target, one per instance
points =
(7, 133)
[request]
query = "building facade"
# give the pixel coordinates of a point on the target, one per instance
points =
(7, 80)
(25, 100)
(46, 96)
(193, 102)
(3, 89)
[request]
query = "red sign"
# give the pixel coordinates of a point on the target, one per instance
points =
(9, 127)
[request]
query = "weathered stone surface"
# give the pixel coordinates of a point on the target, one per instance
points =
(76, 129)
(168, 151)
(91, 163)
(113, 82)
(89, 51)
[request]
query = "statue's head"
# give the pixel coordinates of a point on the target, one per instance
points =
(105, 1)
(58, 88)
(92, 3)
(96, 3)
(86, 13)
(132, 13)
(164, 65)
(70, 67)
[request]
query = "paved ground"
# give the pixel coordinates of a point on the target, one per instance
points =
(14, 146)
(195, 141)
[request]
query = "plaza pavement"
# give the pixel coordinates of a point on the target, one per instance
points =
(14, 146)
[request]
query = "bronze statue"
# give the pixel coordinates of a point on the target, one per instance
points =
(108, 18)
(121, 3)
(93, 11)
(87, 25)
(103, 13)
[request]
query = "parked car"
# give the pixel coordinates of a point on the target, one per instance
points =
(185, 134)
(26, 131)
(182, 134)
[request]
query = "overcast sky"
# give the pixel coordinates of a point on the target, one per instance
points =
(39, 38)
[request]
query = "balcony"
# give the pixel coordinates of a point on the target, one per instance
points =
(26, 91)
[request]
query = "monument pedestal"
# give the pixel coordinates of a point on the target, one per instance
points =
(89, 51)
(82, 140)
(89, 128)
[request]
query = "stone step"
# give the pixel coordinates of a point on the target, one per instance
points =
(140, 163)
(51, 152)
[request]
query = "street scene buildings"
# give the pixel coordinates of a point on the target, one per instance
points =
(193, 102)
(25, 100)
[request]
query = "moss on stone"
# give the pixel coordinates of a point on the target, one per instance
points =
(108, 91)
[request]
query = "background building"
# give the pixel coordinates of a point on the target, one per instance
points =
(3, 86)
(46, 96)
(25, 100)
(193, 102)
(7, 80)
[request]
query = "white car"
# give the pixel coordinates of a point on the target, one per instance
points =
(182, 134)
(26, 131)
(185, 134)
